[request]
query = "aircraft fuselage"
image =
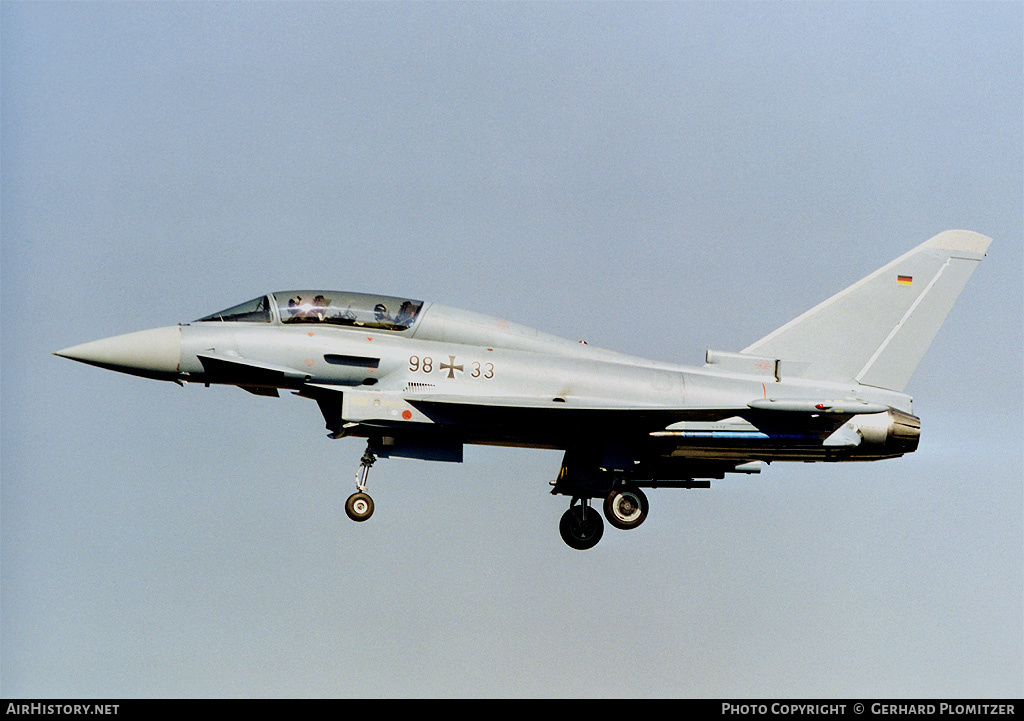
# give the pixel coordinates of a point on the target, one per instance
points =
(524, 389)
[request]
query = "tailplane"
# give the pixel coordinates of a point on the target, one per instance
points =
(876, 331)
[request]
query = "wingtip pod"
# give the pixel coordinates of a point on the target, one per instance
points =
(960, 241)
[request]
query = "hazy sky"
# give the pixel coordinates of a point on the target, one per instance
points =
(657, 178)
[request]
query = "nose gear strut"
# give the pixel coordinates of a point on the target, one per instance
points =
(359, 505)
(365, 463)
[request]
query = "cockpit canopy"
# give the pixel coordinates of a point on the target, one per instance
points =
(374, 312)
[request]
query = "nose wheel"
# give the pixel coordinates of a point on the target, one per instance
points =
(359, 505)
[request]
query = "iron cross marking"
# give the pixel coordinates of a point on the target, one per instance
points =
(451, 367)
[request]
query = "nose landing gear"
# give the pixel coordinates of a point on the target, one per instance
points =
(359, 505)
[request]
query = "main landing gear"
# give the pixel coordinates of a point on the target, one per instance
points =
(626, 507)
(359, 505)
(581, 526)
(586, 475)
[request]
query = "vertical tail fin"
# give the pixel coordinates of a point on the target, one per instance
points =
(876, 331)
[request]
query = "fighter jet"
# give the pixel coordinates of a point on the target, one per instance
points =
(422, 380)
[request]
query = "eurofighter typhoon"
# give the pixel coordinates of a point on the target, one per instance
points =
(422, 380)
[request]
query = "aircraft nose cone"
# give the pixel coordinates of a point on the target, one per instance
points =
(152, 353)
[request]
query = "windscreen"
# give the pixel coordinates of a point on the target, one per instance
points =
(256, 310)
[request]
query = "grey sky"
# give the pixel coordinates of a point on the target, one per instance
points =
(657, 178)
